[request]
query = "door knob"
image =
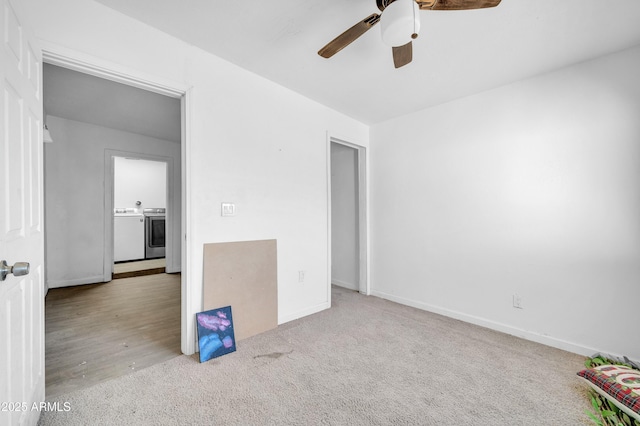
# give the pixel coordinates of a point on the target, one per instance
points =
(20, 268)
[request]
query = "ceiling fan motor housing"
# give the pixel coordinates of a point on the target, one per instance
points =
(400, 22)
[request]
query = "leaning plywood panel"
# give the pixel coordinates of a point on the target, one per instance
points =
(243, 275)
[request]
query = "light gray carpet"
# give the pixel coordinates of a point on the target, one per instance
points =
(366, 361)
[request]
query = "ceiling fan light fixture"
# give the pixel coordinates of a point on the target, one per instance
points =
(400, 22)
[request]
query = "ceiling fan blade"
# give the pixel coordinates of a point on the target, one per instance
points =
(456, 4)
(402, 55)
(347, 37)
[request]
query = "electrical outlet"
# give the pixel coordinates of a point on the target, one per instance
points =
(517, 301)
(300, 276)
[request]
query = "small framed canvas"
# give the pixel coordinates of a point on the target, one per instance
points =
(215, 333)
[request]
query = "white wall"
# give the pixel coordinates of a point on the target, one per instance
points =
(531, 189)
(74, 196)
(139, 180)
(250, 142)
(344, 216)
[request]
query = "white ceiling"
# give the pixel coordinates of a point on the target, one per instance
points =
(81, 97)
(458, 53)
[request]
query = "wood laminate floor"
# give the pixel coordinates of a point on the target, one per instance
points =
(101, 331)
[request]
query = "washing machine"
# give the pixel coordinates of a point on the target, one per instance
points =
(128, 235)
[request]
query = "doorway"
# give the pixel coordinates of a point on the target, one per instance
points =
(348, 233)
(140, 223)
(91, 120)
(82, 155)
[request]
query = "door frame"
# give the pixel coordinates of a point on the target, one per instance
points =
(57, 55)
(362, 153)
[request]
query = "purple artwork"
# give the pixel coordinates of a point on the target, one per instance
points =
(215, 333)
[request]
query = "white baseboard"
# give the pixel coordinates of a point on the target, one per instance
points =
(344, 284)
(493, 325)
(303, 313)
(173, 269)
(78, 281)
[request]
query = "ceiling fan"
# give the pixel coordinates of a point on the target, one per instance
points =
(400, 24)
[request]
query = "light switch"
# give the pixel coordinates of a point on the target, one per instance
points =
(228, 209)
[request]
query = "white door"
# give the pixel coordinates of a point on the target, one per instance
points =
(21, 214)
